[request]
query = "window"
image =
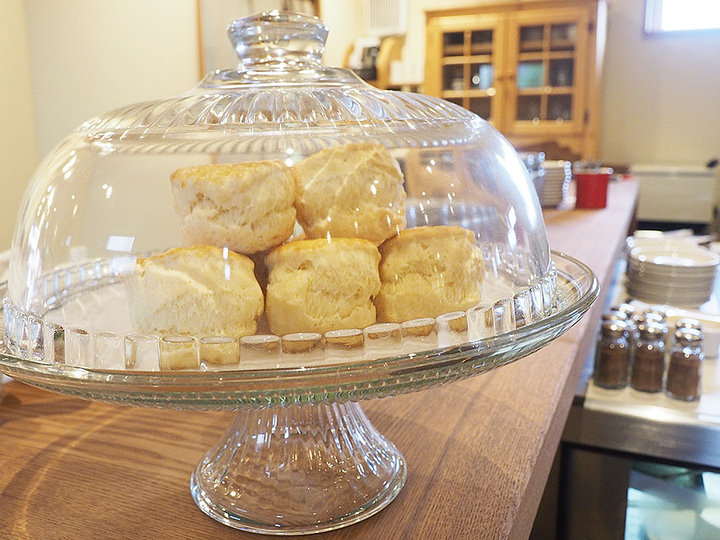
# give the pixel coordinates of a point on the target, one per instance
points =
(674, 15)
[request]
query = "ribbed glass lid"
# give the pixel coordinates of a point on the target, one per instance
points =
(281, 89)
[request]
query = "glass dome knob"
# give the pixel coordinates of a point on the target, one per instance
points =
(278, 39)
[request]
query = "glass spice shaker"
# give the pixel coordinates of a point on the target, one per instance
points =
(687, 322)
(648, 363)
(684, 322)
(684, 371)
(629, 311)
(641, 317)
(626, 309)
(650, 315)
(612, 356)
(614, 316)
(660, 311)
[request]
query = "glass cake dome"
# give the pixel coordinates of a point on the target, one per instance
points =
(280, 214)
(282, 241)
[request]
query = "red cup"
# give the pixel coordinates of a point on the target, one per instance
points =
(591, 188)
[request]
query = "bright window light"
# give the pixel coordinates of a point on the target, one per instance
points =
(676, 15)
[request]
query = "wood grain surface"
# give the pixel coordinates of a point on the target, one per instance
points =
(478, 451)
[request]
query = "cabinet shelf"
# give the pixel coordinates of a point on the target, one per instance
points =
(453, 94)
(531, 46)
(472, 93)
(562, 44)
(454, 50)
(546, 91)
(476, 49)
(462, 60)
(538, 56)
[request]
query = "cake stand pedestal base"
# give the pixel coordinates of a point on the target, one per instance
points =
(298, 470)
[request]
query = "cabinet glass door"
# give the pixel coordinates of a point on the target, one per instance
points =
(468, 73)
(545, 73)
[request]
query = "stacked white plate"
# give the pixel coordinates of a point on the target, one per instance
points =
(671, 273)
(556, 181)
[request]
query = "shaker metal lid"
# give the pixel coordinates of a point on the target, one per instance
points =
(688, 335)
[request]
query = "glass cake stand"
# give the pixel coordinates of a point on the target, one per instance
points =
(301, 457)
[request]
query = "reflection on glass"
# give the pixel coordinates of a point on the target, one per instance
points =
(667, 500)
(481, 42)
(453, 44)
(562, 37)
(382, 339)
(344, 345)
(78, 347)
(481, 76)
(560, 107)
(179, 352)
(301, 349)
(418, 335)
(453, 77)
(528, 108)
(216, 351)
(561, 72)
(481, 107)
(530, 74)
(109, 349)
(531, 38)
(259, 351)
(141, 352)
(452, 329)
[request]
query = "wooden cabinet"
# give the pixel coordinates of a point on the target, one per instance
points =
(533, 69)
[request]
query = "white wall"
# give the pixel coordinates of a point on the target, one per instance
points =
(88, 57)
(345, 21)
(662, 92)
(18, 148)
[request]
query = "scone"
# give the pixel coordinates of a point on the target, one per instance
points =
(428, 271)
(321, 285)
(350, 191)
(247, 207)
(197, 291)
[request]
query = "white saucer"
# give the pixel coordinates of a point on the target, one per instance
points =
(675, 256)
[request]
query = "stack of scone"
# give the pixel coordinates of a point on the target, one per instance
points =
(355, 265)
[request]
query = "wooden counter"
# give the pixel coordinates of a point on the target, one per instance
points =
(478, 451)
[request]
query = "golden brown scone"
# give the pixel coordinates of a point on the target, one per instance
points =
(350, 191)
(220, 351)
(197, 291)
(247, 207)
(428, 271)
(320, 285)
